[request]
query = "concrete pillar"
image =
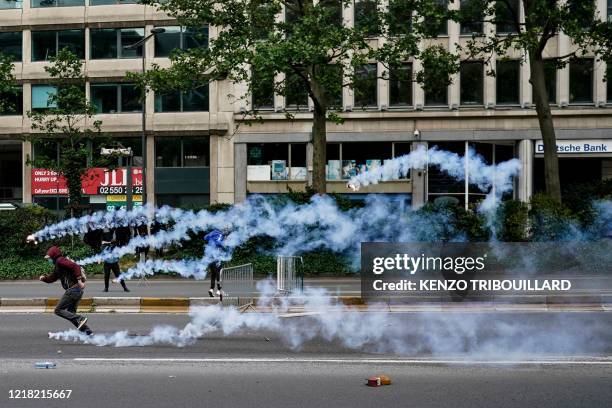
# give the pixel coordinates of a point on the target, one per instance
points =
(454, 94)
(563, 74)
(240, 172)
(419, 181)
(150, 187)
(525, 181)
(309, 162)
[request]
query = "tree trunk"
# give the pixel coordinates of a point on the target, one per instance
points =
(319, 151)
(547, 129)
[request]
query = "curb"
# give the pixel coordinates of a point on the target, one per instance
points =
(183, 304)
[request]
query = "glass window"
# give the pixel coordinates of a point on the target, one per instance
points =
(41, 95)
(115, 98)
(46, 44)
(167, 152)
(296, 95)
(182, 38)
(366, 93)
(104, 98)
(298, 155)
(366, 17)
(110, 2)
(334, 10)
(130, 98)
(437, 96)
(10, 45)
(57, 3)
(506, 13)
(609, 11)
(400, 17)
(471, 86)
(434, 23)
(10, 4)
(263, 92)
(581, 80)
(195, 152)
(333, 76)
(507, 79)
(169, 102)
(108, 43)
(127, 37)
(471, 17)
(400, 85)
(188, 101)
(550, 74)
(12, 101)
(259, 154)
(361, 157)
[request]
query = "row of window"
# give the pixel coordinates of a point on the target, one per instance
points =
(192, 151)
(18, 4)
(471, 84)
(106, 43)
(287, 161)
(112, 98)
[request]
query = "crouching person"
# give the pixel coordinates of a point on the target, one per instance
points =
(73, 281)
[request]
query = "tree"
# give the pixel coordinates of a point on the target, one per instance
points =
(309, 53)
(7, 83)
(64, 122)
(543, 20)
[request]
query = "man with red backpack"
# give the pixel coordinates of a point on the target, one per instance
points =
(73, 281)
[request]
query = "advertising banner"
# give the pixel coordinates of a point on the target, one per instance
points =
(97, 181)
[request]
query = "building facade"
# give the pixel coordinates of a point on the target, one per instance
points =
(199, 151)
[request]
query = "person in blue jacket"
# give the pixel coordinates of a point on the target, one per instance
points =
(215, 238)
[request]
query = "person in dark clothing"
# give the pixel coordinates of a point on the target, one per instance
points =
(112, 264)
(73, 281)
(215, 238)
(142, 231)
(93, 237)
(123, 235)
(155, 228)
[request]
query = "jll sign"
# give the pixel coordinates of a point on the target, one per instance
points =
(96, 181)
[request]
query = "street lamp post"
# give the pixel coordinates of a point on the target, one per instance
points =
(143, 139)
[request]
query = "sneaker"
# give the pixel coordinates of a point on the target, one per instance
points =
(210, 293)
(82, 323)
(89, 332)
(126, 290)
(105, 290)
(220, 293)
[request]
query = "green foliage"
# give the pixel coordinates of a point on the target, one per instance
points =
(7, 82)
(579, 198)
(513, 221)
(17, 224)
(550, 220)
(15, 267)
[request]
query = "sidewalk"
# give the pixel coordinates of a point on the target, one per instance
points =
(177, 295)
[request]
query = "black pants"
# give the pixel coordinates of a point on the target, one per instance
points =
(108, 267)
(215, 275)
(67, 306)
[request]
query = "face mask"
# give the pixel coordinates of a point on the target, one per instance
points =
(50, 261)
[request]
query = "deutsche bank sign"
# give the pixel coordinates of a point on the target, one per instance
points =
(578, 147)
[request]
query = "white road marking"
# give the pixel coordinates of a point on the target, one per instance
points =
(600, 361)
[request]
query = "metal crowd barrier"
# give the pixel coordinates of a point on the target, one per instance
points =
(290, 274)
(238, 286)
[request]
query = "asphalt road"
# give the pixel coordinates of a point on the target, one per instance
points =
(255, 368)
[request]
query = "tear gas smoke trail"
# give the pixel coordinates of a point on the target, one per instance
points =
(97, 220)
(474, 336)
(498, 177)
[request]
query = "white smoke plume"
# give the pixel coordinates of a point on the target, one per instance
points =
(495, 178)
(476, 335)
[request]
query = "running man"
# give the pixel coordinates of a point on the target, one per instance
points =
(73, 281)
